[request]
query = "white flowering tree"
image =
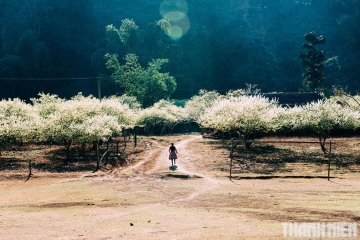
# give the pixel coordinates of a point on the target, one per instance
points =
(197, 105)
(117, 107)
(97, 129)
(18, 122)
(86, 120)
(248, 116)
(323, 117)
(126, 110)
(46, 104)
(290, 120)
(162, 116)
(347, 101)
(62, 123)
(180, 113)
(82, 119)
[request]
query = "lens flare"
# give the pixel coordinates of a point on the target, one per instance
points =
(175, 12)
(184, 24)
(179, 28)
(176, 32)
(174, 16)
(173, 6)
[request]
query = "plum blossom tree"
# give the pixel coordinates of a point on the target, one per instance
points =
(323, 117)
(247, 116)
(162, 117)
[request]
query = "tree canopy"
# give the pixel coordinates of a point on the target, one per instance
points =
(313, 61)
(148, 85)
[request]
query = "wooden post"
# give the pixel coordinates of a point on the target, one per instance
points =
(97, 156)
(329, 168)
(231, 161)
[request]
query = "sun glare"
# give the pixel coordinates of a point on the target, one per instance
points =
(175, 11)
(174, 16)
(173, 5)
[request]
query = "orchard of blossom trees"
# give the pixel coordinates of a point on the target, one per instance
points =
(88, 120)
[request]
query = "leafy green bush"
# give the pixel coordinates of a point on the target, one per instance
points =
(148, 85)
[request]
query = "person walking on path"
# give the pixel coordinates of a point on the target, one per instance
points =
(173, 154)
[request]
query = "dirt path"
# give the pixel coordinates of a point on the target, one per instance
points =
(185, 169)
(163, 163)
(157, 165)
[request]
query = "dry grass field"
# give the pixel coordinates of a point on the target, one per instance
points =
(271, 183)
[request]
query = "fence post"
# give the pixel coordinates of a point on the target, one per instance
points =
(98, 157)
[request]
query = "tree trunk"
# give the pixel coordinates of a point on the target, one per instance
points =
(135, 138)
(67, 144)
(322, 144)
(83, 149)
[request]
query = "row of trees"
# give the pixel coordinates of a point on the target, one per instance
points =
(249, 117)
(87, 120)
(84, 120)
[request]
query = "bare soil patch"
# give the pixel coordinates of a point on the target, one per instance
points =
(272, 183)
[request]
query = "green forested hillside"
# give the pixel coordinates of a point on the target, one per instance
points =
(224, 44)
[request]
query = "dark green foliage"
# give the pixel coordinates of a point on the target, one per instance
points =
(228, 44)
(46, 39)
(313, 61)
(148, 85)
